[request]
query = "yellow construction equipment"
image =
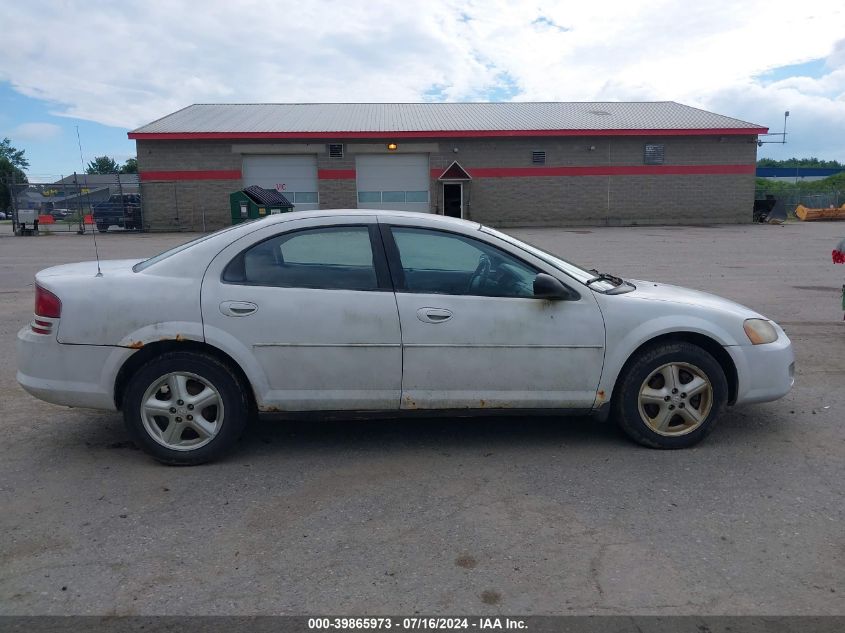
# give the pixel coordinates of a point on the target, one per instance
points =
(807, 215)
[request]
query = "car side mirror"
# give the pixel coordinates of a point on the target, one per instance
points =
(547, 287)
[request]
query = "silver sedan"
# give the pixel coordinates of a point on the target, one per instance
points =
(381, 311)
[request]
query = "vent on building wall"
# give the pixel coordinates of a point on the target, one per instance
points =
(538, 158)
(653, 154)
(336, 151)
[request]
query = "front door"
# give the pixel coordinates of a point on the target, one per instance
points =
(474, 336)
(453, 200)
(311, 312)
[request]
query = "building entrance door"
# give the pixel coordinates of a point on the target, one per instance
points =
(453, 200)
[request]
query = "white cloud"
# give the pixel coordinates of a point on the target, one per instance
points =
(36, 131)
(136, 61)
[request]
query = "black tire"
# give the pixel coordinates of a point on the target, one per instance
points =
(626, 397)
(103, 228)
(232, 394)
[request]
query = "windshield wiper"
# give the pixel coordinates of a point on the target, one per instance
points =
(617, 281)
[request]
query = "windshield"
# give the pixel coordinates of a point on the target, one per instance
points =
(569, 268)
(178, 249)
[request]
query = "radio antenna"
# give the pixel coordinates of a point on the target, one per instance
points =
(88, 194)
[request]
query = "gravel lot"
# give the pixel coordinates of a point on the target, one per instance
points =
(517, 516)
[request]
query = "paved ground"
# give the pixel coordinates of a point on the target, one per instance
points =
(484, 516)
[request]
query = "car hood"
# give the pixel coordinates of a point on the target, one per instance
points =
(656, 291)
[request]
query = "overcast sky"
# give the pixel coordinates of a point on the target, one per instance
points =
(108, 67)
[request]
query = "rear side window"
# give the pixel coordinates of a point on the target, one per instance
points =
(178, 249)
(334, 258)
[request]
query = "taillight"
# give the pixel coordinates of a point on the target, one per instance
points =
(47, 304)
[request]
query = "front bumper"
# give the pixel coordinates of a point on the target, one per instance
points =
(764, 372)
(70, 375)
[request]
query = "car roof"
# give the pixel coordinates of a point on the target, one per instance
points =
(382, 214)
(209, 245)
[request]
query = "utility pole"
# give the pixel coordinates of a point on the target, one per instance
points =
(79, 201)
(122, 200)
(14, 197)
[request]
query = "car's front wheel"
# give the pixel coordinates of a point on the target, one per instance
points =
(185, 408)
(670, 395)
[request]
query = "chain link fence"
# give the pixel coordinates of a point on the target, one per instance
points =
(78, 203)
(801, 193)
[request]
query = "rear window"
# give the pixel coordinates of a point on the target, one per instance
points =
(178, 249)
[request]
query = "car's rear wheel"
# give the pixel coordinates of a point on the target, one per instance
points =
(185, 408)
(670, 395)
(103, 228)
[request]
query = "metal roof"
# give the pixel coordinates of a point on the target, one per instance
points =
(100, 179)
(298, 120)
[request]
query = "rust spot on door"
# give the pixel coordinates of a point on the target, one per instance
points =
(600, 396)
(136, 345)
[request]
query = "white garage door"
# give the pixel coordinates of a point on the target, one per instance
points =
(295, 176)
(393, 181)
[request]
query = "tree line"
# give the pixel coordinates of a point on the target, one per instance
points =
(799, 187)
(108, 165)
(801, 162)
(12, 164)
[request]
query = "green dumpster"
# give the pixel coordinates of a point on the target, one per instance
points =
(255, 202)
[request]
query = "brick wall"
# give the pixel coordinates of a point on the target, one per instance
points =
(499, 201)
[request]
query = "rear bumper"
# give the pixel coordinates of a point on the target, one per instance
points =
(764, 372)
(70, 375)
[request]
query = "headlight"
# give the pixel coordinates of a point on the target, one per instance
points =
(760, 331)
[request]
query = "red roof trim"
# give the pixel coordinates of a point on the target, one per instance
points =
(621, 170)
(207, 174)
(336, 174)
(182, 136)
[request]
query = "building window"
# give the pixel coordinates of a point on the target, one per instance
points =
(538, 157)
(416, 196)
(370, 197)
(336, 151)
(304, 197)
(393, 196)
(653, 154)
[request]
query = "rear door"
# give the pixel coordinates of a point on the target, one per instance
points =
(308, 304)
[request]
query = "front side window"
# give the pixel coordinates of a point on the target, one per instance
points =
(336, 258)
(437, 262)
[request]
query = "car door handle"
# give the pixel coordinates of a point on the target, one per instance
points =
(238, 308)
(434, 315)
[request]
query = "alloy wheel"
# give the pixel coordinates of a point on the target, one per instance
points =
(675, 399)
(182, 411)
